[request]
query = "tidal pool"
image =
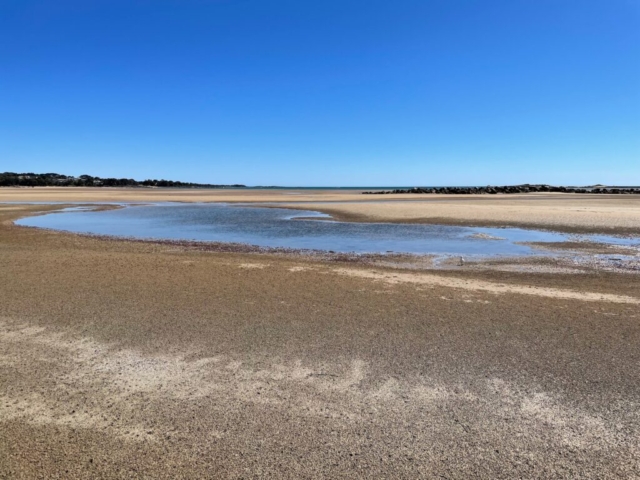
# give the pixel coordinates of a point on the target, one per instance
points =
(278, 227)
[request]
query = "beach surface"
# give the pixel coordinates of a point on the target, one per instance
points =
(124, 359)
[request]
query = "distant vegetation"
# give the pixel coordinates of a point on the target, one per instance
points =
(10, 179)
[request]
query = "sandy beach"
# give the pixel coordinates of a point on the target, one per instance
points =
(123, 359)
(183, 295)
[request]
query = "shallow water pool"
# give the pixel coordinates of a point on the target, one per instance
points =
(278, 227)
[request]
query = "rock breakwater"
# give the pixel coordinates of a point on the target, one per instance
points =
(509, 189)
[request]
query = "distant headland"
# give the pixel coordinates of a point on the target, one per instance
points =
(10, 179)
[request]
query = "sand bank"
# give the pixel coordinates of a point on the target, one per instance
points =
(560, 212)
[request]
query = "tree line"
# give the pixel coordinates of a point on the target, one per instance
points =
(11, 179)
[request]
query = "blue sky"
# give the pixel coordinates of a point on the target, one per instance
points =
(346, 92)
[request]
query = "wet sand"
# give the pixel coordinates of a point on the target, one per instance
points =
(127, 359)
(562, 212)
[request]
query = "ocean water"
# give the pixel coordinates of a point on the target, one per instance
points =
(278, 227)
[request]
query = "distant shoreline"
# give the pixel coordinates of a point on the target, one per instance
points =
(12, 179)
(258, 187)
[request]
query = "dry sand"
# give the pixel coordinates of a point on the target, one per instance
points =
(129, 359)
(563, 212)
(67, 194)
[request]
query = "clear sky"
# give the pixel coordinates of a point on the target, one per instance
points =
(348, 92)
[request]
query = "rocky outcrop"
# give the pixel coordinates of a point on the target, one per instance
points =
(507, 190)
